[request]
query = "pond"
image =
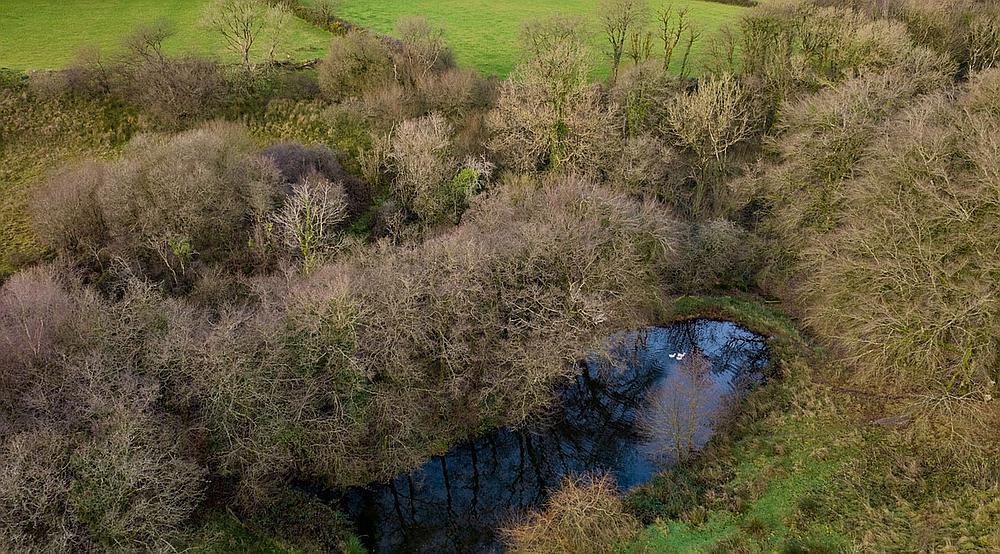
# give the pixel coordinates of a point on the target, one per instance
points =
(655, 396)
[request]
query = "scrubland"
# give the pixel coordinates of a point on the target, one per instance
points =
(223, 281)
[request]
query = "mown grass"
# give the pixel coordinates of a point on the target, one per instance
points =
(484, 33)
(47, 34)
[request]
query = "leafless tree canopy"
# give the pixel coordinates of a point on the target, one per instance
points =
(620, 20)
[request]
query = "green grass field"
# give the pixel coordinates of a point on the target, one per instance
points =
(47, 34)
(484, 33)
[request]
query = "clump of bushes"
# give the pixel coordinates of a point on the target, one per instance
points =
(708, 124)
(474, 326)
(585, 515)
(359, 62)
(549, 116)
(717, 255)
(391, 80)
(820, 140)
(89, 461)
(904, 278)
(174, 92)
(428, 177)
(192, 198)
(792, 47)
(176, 206)
(968, 31)
(67, 212)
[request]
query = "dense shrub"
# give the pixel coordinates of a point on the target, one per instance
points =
(130, 486)
(823, 138)
(717, 255)
(67, 214)
(585, 515)
(296, 161)
(34, 310)
(906, 279)
(175, 92)
(454, 93)
(643, 93)
(422, 51)
(33, 492)
(370, 361)
(548, 115)
(359, 62)
(430, 180)
(647, 165)
(175, 201)
(88, 460)
(708, 124)
(792, 46)
(967, 30)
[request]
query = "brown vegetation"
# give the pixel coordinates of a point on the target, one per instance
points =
(548, 116)
(585, 515)
(210, 313)
(89, 460)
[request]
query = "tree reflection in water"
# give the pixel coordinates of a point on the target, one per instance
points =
(620, 416)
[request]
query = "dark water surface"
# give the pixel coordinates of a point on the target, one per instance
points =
(629, 413)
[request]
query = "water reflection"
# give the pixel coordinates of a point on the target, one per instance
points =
(630, 412)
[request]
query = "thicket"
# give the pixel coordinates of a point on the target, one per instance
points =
(176, 208)
(218, 311)
(90, 460)
(372, 361)
(906, 280)
(875, 209)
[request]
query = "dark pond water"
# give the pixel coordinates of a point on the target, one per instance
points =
(655, 395)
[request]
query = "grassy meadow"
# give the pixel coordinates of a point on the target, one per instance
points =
(484, 33)
(47, 34)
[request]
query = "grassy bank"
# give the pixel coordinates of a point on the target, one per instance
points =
(809, 467)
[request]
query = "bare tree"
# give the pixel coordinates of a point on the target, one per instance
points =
(549, 116)
(309, 217)
(424, 49)
(620, 18)
(146, 42)
(240, 22)
(693, 34)
(673, 27)
(640, 46)
(708, 124)
(326, 11)
(277, 18)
